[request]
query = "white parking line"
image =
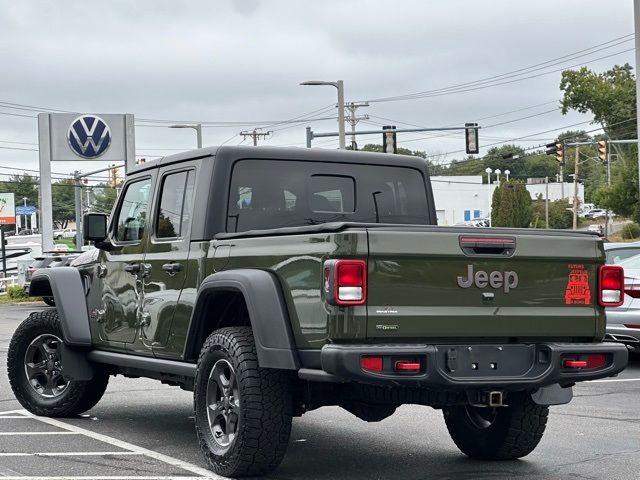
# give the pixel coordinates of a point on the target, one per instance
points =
(103, 477)
(2, 417)
(201, 472)
(64, 454)
(616, 380)
(38, 433)
(9, 412)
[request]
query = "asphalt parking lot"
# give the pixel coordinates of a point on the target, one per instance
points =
(144, 430)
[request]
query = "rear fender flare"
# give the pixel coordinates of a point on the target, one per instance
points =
(267, 310)
(65, 285)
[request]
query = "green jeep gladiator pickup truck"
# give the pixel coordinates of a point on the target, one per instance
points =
(275, 281)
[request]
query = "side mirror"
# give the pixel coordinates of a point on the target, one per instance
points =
(95, 227)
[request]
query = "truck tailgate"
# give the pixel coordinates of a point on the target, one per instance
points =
(434, 283)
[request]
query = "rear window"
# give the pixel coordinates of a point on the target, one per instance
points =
(272, 194)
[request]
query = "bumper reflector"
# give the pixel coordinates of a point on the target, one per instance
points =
(371, 364)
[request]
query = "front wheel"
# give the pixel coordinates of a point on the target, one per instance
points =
(503, 433)
(243, 412)
(36, 370)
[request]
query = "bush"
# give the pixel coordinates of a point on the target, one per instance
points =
(16, 292)
(630, 231)
(559, 216)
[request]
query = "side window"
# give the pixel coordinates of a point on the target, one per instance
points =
(332, 194)
(132, 216)
(175, 207)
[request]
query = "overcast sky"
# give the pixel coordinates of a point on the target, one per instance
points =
(242, 61)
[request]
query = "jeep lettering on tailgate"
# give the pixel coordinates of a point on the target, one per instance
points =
(506, 280)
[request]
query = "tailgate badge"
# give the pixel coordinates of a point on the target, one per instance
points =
(578, 291)
(506, 280)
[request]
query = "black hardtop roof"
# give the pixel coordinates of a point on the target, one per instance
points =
(287, 153)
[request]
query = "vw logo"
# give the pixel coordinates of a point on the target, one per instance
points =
(89, 136)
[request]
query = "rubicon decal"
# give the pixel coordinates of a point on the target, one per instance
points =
(506, 280)
(578, 291)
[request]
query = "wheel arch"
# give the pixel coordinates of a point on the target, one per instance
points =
(64, 285)
(260, 293)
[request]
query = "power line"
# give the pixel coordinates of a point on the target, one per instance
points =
(513, 73)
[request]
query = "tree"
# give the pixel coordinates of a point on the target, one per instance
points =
(610, 96)
(502, 158)
(105, 197)
(559, 216)
(511, 205)
(22, 186)
(64, 206)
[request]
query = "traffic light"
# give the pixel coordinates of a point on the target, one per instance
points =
(389, 144)
(550, 149)
(471, 138)
(602, 150)
(560, 153)
(557, 149)
(114, 177)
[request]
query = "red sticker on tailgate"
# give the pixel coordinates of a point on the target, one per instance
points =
(578, 291)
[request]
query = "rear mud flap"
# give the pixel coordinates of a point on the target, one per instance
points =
(552, 395)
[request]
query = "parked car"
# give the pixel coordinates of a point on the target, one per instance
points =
(618, 251)
(69, 233)
(48, 260)
(324, 287)
(599, 213)
(599, 229)
(623, 322)
(26, 231)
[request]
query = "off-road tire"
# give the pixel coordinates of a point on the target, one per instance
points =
(515, 432)
(78, 397)
(265, 406)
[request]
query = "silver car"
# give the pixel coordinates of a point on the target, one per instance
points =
(623, 322)
(618, 251)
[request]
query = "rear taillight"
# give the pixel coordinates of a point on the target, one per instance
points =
(345, 282)
(610, 285)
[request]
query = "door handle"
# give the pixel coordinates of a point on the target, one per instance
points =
(172, 268)
(132, 268)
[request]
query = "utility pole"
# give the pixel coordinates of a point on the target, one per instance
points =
(575, 189)
(546, 200)
(353, 120)
(78, 191)
(606, 218)
(255, 134)
(636, 16)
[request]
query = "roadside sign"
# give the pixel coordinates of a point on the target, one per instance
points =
(28, 210)
(7, 209)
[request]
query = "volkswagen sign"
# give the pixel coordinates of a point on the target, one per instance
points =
(89, 136)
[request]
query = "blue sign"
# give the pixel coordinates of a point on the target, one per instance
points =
(25, 210)
(89, 136)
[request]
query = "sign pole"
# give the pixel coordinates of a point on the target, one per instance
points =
(46, 203)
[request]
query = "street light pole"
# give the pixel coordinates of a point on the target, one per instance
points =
(488, 170)
(197, 127)
(340, 87)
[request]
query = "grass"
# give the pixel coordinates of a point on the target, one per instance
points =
(5, 299)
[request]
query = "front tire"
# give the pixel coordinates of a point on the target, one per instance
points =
(503, 433)
(36, 371)
(242, 412)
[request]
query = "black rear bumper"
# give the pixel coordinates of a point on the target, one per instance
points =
(472, 366)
